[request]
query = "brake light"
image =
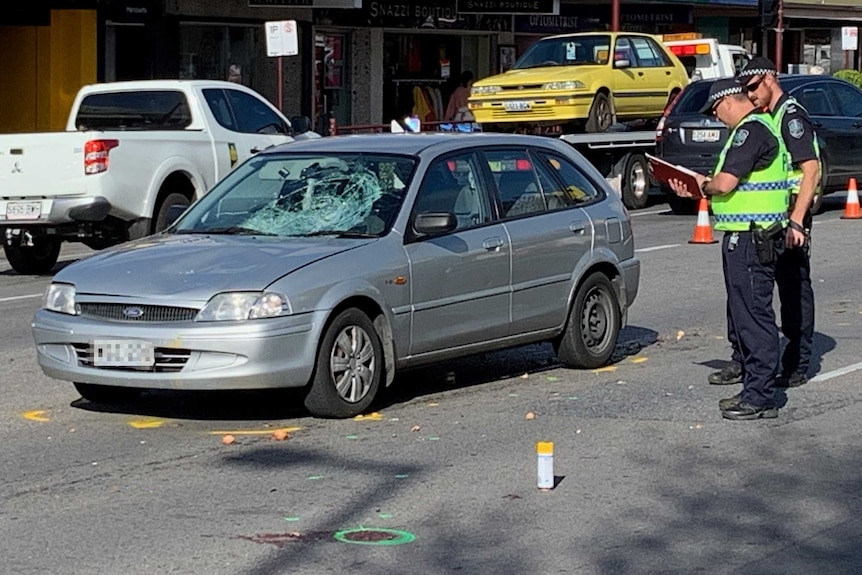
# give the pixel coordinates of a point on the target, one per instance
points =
(690, 49)
(523, 165)
(96, 155)
(667, 109)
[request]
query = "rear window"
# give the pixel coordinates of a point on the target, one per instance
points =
(692, 99)
(145, 110)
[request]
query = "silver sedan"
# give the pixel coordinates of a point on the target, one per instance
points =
(329, 264)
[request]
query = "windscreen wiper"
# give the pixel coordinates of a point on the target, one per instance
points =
(339, 234)
(230, 231)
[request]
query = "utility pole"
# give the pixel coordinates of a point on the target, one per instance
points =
(615, 15)
(779, 37)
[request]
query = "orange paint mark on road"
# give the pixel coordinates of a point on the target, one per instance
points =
(255, 431)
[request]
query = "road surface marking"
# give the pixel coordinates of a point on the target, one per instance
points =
(656, 248)
(836, 373)
(640, 213)
(146, 423)
(35, 415)
(256, 431)
(17, 297)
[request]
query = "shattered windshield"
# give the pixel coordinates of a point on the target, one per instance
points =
(566, 51)
(343, 195)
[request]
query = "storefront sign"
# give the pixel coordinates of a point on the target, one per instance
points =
(305, 3)
(509, 6)
(633, 18)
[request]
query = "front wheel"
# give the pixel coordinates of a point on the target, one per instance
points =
(593, 325)
(106, 393)
(38, 259)
(169, 210)
(601, 117)
(348, 369)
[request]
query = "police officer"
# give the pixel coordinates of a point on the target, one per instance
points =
(749, 193)
(793, 268)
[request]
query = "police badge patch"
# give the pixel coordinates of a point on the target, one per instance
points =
(796, 128)
(740, 138)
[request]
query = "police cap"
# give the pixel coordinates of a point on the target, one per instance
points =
(719, 89)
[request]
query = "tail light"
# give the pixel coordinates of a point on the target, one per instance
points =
(96, 155)
(667, 109)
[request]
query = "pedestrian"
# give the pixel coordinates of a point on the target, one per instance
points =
(457, 110)
(749, 193)
(793, 268)
(234, 74)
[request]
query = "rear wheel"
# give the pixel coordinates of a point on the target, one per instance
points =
(635, 182)
(593, 325)
(169, 210)
(601, 116)
(348, 369)
(106, 393)
(38, 259)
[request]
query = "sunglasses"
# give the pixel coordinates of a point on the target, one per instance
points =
(754, 85)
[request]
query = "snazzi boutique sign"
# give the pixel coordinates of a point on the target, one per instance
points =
(509, 6)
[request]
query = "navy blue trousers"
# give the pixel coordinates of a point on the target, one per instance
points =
(750, 285)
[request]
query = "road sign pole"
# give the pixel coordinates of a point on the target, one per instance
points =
(278, 62)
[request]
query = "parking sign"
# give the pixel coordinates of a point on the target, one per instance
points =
(281, 38)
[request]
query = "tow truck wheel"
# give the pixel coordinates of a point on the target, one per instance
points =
(38, 259)
(601, 116)
(635, 184)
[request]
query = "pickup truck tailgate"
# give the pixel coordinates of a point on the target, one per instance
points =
(42, 165)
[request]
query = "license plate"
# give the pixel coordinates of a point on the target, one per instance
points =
(123, 353)
(516, 106)
(705, 135)
(23, 210)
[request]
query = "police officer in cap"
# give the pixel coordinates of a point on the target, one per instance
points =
(793, 268)
(749, 196)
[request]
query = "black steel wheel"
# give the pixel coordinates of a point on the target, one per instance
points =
(38, 259)
(593, 325)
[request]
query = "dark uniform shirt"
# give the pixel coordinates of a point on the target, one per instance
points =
(754, 148)
(797, 132)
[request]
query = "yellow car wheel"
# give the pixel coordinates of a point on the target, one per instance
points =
(601, 115)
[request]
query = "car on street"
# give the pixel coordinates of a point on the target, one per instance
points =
(329, 264)
(694, 140)
(588, 80)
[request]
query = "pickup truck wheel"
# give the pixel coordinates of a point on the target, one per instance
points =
(38, 259)
(348, 369)
(107, 394)
(170, 208)
(635, 182)
(593, 325)
(601, 117)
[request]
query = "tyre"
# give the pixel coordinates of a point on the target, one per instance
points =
(348, 369)
(107, 394)
(635, 184)
(38, 259)
(169, 210)
(593, 325)
(681, 206)
(601, 117)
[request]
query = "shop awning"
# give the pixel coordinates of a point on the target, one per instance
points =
(846, 10)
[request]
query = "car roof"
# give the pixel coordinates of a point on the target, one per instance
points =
(600, 33)
(408, 144)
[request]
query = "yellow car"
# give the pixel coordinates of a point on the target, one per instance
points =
(587, 80)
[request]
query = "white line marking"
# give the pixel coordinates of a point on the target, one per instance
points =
(837, 373)
(656, 248)
(640, 213)
(17, 297)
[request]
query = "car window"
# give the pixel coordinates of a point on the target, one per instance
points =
(585, 49)
(849, 100)
(660, 53)
(516, 181)
(577, 187)
(815, 101)
(141, 110)
(740, 59)
(623, 51)
(454, 185)
(646, 55)
(692, 99)
(253, 116)
(217, 102)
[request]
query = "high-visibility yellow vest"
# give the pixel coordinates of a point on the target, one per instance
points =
(795, 176)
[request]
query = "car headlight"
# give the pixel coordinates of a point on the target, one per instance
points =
(237, 306)
(480, 90)
(60, 298)
(568, 85)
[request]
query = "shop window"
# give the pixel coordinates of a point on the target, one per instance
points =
(214, 52)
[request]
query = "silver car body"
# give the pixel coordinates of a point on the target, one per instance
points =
(504, 283)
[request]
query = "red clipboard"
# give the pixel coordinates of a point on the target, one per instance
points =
(665, 171)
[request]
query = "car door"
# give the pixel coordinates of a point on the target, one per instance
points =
(628, 81)
(834, 130)
(848, 100)
(548, 235)
(459, 280)
(656, 70)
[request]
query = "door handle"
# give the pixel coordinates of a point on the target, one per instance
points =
(576, 227)
(817, 124)
(255, 150)
(640, 73)
(492, 244)
(667, 72)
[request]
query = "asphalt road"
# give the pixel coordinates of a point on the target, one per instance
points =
(650, 479)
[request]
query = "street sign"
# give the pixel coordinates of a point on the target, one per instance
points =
(281, 38)
(849, 38)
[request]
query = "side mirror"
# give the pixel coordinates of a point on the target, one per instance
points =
(300, 124)
(435, 223)
(622, 64)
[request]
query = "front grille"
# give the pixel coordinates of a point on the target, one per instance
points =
(168, 359)
(140, 313)
(524, 87)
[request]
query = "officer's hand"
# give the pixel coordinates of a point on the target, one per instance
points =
(679, 188)
(794, 238)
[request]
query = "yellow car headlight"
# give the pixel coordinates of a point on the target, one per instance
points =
(568, 85)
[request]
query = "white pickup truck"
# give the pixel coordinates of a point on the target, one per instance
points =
(132, 156)
(706, 58)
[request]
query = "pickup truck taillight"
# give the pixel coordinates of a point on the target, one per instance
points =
(96, 155)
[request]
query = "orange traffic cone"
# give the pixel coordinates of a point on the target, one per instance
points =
(703, 230)
(851, 209)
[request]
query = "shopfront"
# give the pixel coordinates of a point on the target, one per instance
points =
(813, 35)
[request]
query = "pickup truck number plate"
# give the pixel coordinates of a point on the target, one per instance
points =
(23, 210)
(518, 106)
(123, 353)
(705, 135)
